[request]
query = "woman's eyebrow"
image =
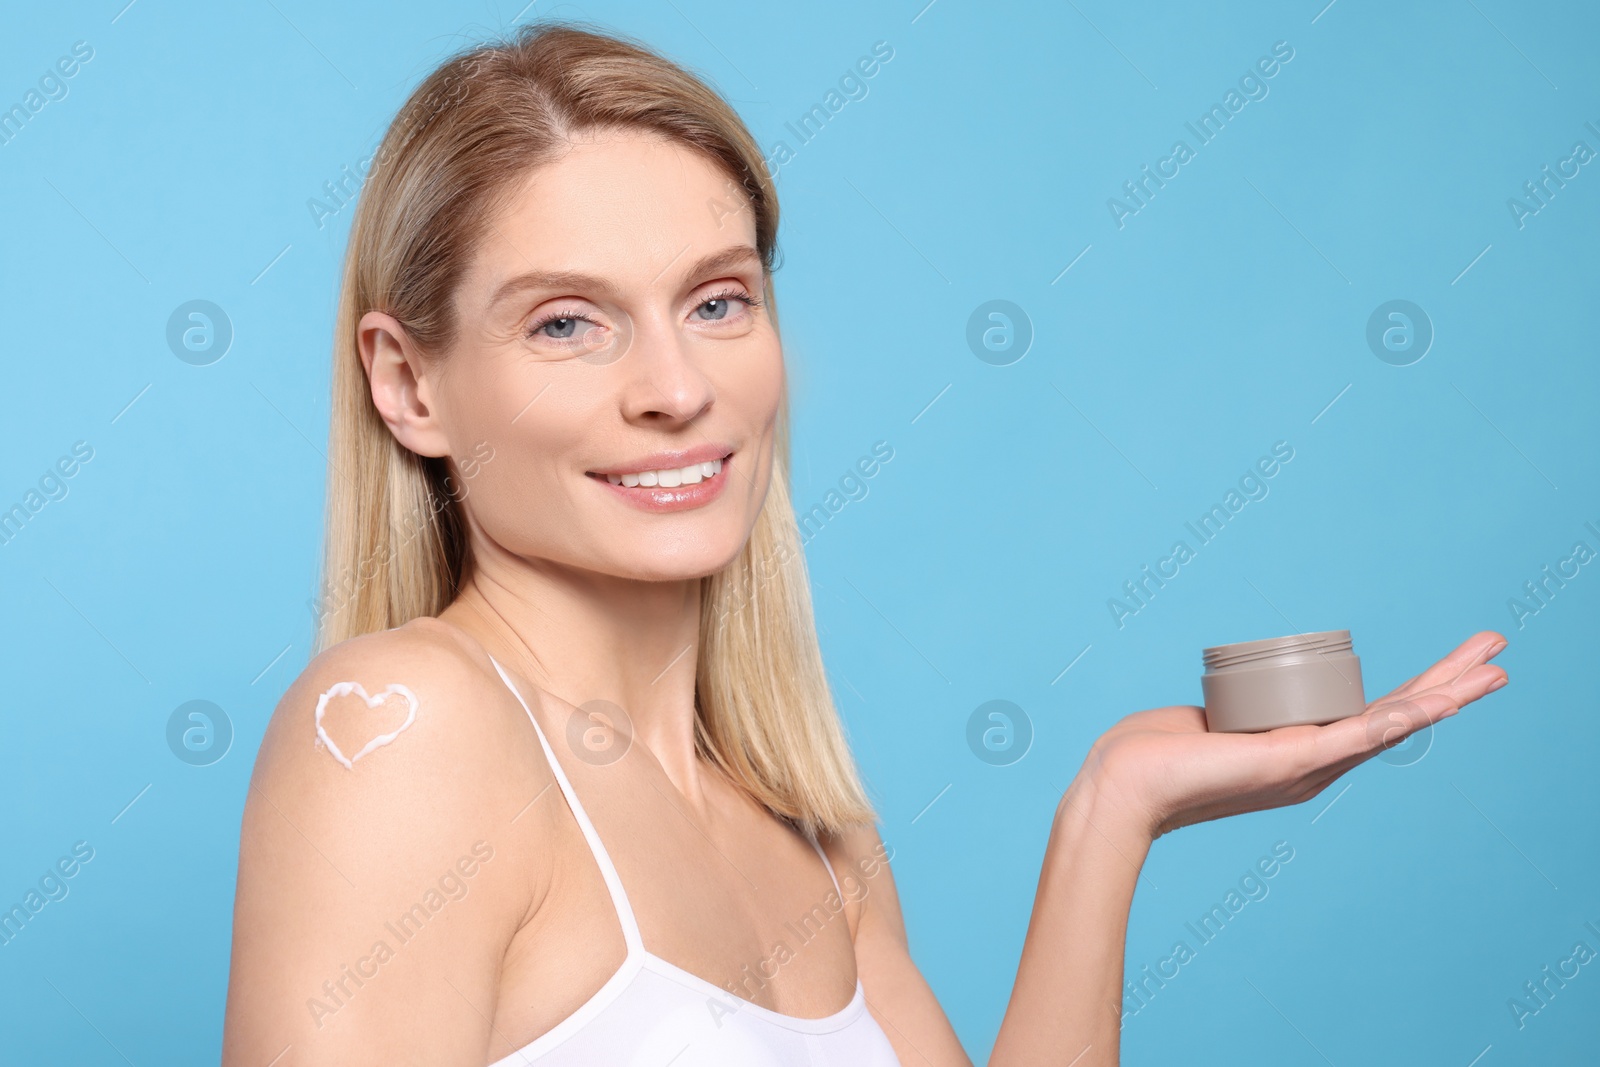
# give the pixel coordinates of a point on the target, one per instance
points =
(733, 256)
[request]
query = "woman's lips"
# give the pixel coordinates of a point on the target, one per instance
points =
(668, 498)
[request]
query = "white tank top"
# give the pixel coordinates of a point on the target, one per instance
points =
(652, 1013)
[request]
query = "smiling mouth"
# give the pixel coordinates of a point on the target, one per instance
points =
(667, 477)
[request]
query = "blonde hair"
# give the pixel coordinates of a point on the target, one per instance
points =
(396, 547)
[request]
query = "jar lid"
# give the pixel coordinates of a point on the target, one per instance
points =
(1259, 653)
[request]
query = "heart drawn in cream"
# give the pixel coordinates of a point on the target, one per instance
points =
(341, 689)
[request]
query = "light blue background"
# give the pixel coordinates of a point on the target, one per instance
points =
(1228, 314)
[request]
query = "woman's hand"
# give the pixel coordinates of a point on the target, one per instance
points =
(1156, 771)
(1160, 769)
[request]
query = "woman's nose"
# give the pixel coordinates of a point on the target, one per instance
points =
(664, 379)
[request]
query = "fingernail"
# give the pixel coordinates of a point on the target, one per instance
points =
(1497, 683)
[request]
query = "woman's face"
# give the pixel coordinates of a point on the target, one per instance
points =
(611, 399)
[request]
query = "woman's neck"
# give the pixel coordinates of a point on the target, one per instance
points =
(583, 636)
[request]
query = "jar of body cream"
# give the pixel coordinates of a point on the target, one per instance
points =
(1282, 681)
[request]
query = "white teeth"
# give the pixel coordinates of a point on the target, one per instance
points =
(671, 477)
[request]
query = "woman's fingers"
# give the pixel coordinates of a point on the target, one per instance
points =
(1463, 688)
(1348, 742)
(1474, 651)
(1384, 726)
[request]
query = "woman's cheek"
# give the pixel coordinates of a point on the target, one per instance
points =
(766, 388)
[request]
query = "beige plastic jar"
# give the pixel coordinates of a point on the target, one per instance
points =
(1282, 681)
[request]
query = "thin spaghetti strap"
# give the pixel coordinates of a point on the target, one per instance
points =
(826, 864)
(608, 870)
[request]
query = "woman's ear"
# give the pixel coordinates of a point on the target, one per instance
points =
(401, 392)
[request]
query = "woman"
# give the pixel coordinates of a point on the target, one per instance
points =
(565, 784)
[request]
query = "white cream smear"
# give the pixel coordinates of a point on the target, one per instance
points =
(341, 689)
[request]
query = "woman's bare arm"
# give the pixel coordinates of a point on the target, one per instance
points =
(898, 997)
(375, 902)
(1066, 1004)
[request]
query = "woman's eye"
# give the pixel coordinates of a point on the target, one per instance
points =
(724, 307)
(560, 328)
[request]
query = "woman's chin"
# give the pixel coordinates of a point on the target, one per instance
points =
(684, 564)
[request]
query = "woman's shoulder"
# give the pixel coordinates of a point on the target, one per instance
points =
(860, 861)
(407, 734)
(392, 701)
(381, 830)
